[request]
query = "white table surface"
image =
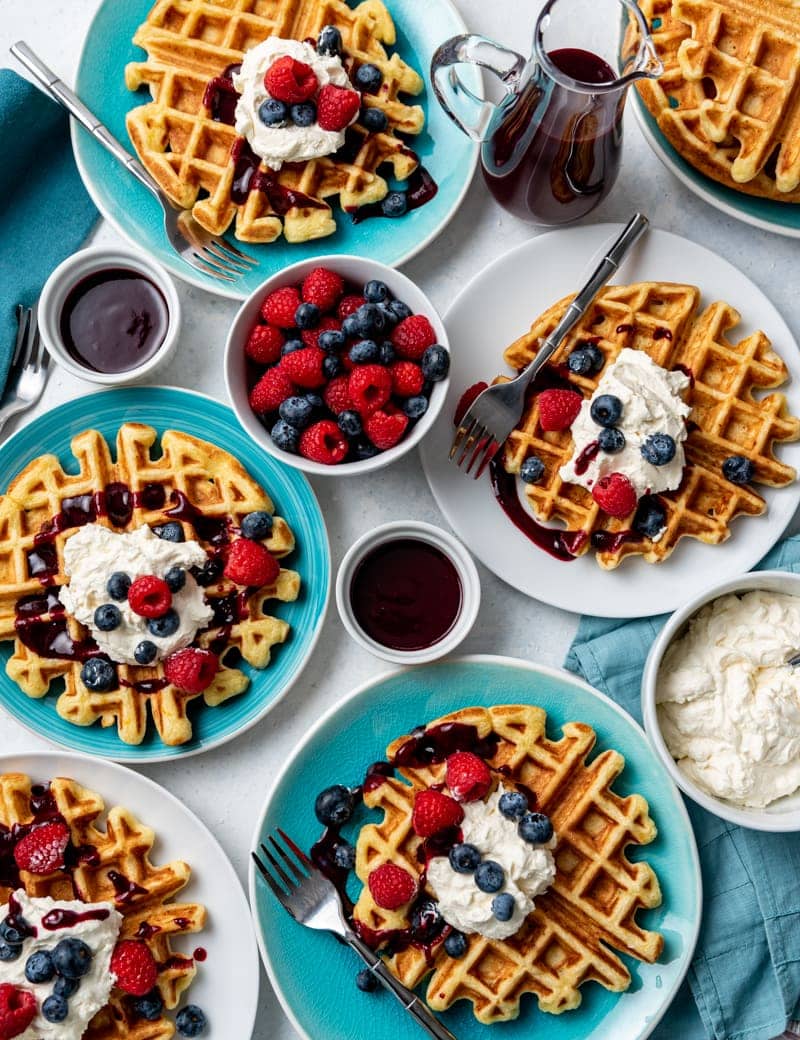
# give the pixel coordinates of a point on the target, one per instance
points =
(225, 787)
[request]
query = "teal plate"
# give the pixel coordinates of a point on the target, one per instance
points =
(166, 408)
(448, 154)
(314, 976)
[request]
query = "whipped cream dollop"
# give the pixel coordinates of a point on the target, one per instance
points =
(100, 935)
(94, 553)
(651, 403)
(529, 871)
(290, 143)
(728, 706)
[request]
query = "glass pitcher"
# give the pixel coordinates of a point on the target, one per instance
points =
(550, 150)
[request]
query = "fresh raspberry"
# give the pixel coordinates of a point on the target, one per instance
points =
(558, 408)
(280, 306)
(191, 669)
(264, 344)
(251, 563)
(323, 287)
(149, 596)
(412, 337)
(304, 367)
(467, 399)
(323, 442)
(327, 324)
(42, 850)
(434, 812)
(370, 388)
(467, 777)
(391, 886)
(271, 390)
(135, 967)
(17, 1010)
(336, 394)
(290, 80)
(407, 379)
(337, 107)
(385, 428)
(349, 305)
(615, 495)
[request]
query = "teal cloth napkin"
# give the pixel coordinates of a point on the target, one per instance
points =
(744, 980)
(45, 212)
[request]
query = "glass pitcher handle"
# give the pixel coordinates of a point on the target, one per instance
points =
(471, 113)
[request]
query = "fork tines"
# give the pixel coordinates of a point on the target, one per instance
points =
(290, 874)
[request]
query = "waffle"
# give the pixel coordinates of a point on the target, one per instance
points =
(589, 911)
(123, 845)
(664, 320)
(189, 42)
(214, 482)
(729, 98)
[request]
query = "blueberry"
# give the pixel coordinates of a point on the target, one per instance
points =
(455, 945)
(606, 410)
(658, 449)
(374, 120)
(9, 951)
(350, 327)
(273, 112)
(415, 407)
(596, 355)
(39, 967)
(331, 366)
(55, 1009)
(536, 828)
(190, 1021)
(388, 313)
(350, 423)
(332, 340)
(426, 921)
(164, 626)
(611, 440)
(650, 517)
(344, 856)
(99, 675)
(503, 906)
(365, 352)
(107, 617)
(175, 579)
(368, 78)
(386, 353)
(304, 114)
(117, 586)
(366, 981)
(513, 804)
(258, 525)
(738, 469)
(532, 470)
(334, 805)
(291, 345)
(329, 41)
(435, 363)
(297, 412)
(376, 291)
(149, 1006)
(65, 987)
(284, 435)
(13, 935)
(580, 362)
(394, 204)
(315, 401)
(145, 652)
(489, 876)
(209, 573)
(307, 316)
(369, 319)
(172, 532)
(400, 310)
(464, 858)
(364, 449)
(72, 958)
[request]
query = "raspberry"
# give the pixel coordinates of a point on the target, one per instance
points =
(391, 887)
(615, 495)
(385, 428)
(149, 596)
(413, 336)
(349, 305)
(311, 336)
(280, 306)
(337, 394)
(290, 80)
(323, 287)
(323, 442)
(370, 388)
(17, 1010)
(558, 408)
(191, 669)
(434, 812)
(271, 390)
(467, 399)
(135, 967)
(264, 344)
(467, 777)
(251, 563)
(304, 367)
(42, 850)
(337, 107)
(407, 378)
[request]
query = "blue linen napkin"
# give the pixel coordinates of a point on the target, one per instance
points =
(45, 212)
(744, 980)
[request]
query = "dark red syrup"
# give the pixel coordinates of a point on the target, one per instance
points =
(211, 529)
(200, 954)
(420, 189)
(60, 917)
(585, 457)
(146, 930)
(220, 97)
(248, 176)
(612, 541)
(662, 334)
(125, 889)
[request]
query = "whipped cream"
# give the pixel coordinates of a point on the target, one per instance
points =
(529, 871)
(96, 985)
(728, 706)
(290, 143)
(651, 403)
(94, 553)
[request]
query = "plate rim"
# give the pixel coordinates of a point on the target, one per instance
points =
(506, 660)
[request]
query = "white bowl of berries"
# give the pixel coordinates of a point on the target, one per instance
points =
(337, 365)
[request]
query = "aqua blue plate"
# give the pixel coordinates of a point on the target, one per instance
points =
(167, 408)
(314, 976)
(448, 154)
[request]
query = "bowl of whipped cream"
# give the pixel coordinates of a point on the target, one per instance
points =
(721, 703)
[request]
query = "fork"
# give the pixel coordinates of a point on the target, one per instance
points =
(493, 414)
(312, 900)
(28, 372)
(199, 248)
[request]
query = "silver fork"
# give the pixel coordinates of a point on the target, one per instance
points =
(494, 413)
(29, 367)
(198, 247)
(312, 900)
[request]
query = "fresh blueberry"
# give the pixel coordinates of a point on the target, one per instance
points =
(503, 906)
(394, 204)
(315, 401)
(580, 362)
(297, 412)
(291, 345)
(334, 805)
(14, 935)
(738, 469)
(331, 366)
(489, 876)
(365, 352)
(596, 354)
(164, 626)
(331, 341)
(350, 423)
(145, 652)
(366, 981)
(107, 617)
(606, 410)
(344, 856)
(307, 316)
(400, 310)
(650, 517)
(329, 41)
(513, 804)
(364, 449)
(172, 532)
(9, 951)
(536, 828)
(374, 120)
(368, 78)
(464, 858)
(376, 291)
(415, 407)
(39, 967)
(611, 440)
(284, 435)
(190, 1021)
(175, 579)
(455, 945)
(65, 987)
(426, 921)
(209, 573)
(273, 112)
(150, 1006)
(435, 363)
(99, 675)
(55, 1009)
(117, 586)
(369, 319)
(304, 114)
(532, 470)
(258, 525)
(386, 353)
(388, 313)
(72, 958)
(658, 449)
(350, 327)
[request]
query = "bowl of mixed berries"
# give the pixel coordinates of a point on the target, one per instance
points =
(337, 365)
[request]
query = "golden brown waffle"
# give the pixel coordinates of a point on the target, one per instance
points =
(589, 911)
(214, 482)
(121, 845)
(662, 319)
(189, 42)
(729, 98)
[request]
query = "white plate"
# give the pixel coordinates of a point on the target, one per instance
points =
(226, 985)
(497, 307)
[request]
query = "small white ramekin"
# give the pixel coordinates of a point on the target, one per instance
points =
(453, 550)
(783, 815)
(83, 264)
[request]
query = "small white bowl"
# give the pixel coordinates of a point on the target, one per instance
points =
(354, 269)
(782, 815)
(452, 549)
(81, 265)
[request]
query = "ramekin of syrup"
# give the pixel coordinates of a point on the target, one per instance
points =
(109, 315)
(408, 592)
